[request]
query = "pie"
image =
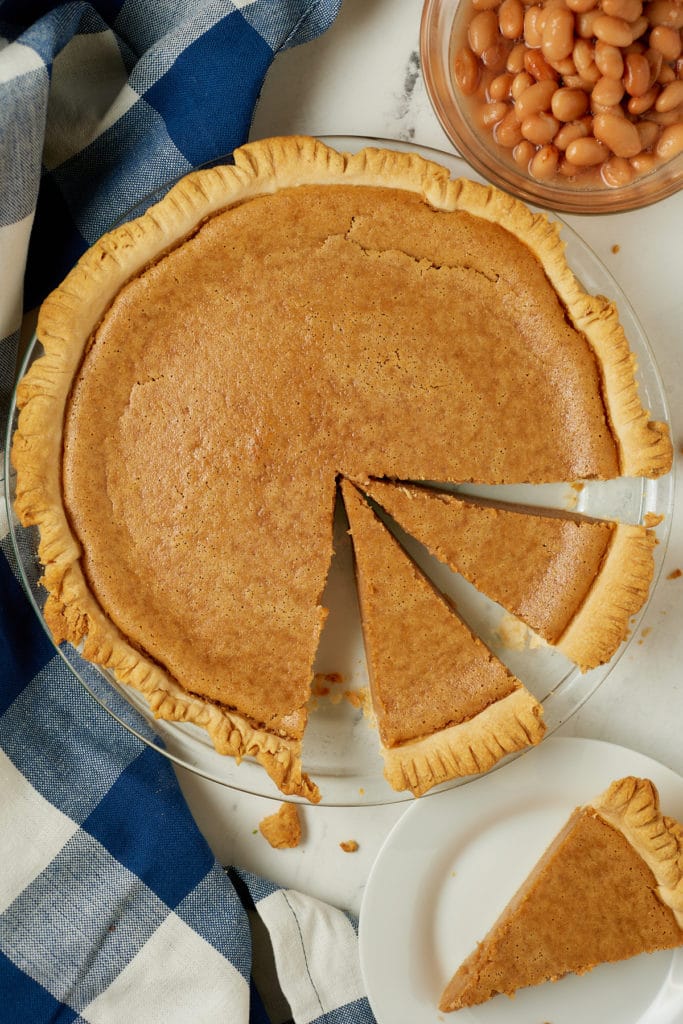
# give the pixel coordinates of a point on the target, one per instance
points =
(213, 367)
(445, 705)
(610, 886)
(575, 581)
(283, 828)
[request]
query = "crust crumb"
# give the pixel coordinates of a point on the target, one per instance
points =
(645, 633)
(651, 519)
(676, 574)
(322, 681)
(282, 829)
(349, 846)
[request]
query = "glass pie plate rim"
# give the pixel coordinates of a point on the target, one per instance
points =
(336, 724)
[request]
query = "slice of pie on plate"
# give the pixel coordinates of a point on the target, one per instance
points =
(212, 367)
(445, 705)
(573, 580)
(609, 887)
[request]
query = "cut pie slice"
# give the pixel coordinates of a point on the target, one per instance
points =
(610, 886)
(445, 705)
(574, 581)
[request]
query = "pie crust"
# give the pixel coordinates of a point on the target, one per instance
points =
(110, 439)
(609, 887)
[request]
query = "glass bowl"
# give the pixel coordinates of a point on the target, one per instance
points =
(439, 27)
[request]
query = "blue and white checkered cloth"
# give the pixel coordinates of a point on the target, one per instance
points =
(112, 907)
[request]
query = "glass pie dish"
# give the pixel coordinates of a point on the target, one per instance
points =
(341, 751)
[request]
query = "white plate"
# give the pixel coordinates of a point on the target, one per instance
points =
(453, 861)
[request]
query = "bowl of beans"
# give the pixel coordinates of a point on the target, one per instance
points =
(575, 105)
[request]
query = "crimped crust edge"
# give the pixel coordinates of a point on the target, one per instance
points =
(469, 748)
(631, 805)
(618, 592)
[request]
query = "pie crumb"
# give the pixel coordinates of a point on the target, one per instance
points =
(675, 575)
(282, 829)
(572, 498)
(615, 249)
(349, 846)
(322, 681)
(651, 519)
(354, 697)
(360, 699)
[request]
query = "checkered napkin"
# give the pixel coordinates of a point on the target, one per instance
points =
(112, 908)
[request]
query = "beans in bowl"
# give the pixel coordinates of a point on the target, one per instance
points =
(586, 90)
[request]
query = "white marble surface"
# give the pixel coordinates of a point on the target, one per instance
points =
(363, 78)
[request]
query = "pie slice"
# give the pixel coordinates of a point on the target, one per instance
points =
(445, 705)
(574, 581)
(610, 886)
(213, 366)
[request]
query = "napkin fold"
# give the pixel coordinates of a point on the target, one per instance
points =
(112, 907)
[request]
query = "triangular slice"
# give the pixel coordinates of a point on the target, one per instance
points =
(610, 886)
(574, 581)
(445, 706)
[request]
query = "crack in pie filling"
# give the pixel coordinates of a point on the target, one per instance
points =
(213, 368)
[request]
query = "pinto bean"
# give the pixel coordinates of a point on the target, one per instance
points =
(557, 38)
(568, 104)
(586, 152)
(616, 172)
(670, 142)
(544, 164)
(466, 71)
(483, 31)
(511, 19)
(534, 99)
(667, 41)
(619, 134)
(614, 31)
(636, 74)
(609, 60)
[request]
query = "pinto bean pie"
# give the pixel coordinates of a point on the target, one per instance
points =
(213, 368)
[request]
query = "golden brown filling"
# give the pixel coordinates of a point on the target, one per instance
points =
(318, 331)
